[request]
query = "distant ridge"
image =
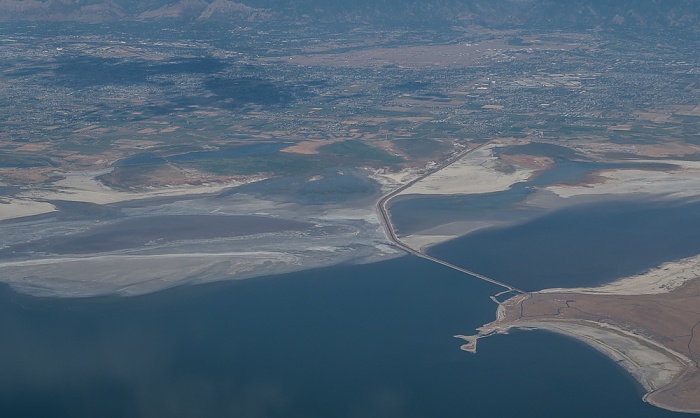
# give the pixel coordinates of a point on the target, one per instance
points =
(534, 14)
(226, 10)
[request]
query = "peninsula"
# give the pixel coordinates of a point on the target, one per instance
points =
(647, 323)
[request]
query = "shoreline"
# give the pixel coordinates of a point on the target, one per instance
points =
(602, 339)
(476, 172)
(659, 369)
(657, 280)
(670, 378)
(656, 368)
(348, 234)
(74, 277)
(84, 187)
(677, 183)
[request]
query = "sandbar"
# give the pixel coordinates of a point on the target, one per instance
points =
(682, 181)
(17, 208)
(661, 279)
(480, 171)
(84, 187)
(422, 242)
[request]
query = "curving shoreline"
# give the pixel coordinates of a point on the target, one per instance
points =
(645, 349)
(659, 350)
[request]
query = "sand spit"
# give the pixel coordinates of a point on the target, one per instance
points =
(84, 187)
(135, 274)
(17, 208)
(681, 182)
(662, 279)
(652, 365)
(422, 242)
(393, 180)
(645, 323)
(480, 171)
(31, 263)
(158, 265)
(670, 378)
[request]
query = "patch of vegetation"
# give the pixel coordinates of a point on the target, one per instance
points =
(23, 161)
(517, 41)
(409, 86)
(128, 178)
(236, 92)
(421, 147)
(87, 146)
(82, 71)
(577, 130)
(436, 130)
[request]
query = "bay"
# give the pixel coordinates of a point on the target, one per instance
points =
(584, 245)
(372, 340)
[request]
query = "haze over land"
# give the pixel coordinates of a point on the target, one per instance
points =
(502, 14)
(150, 144)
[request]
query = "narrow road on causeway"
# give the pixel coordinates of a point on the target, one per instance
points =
(385, 219)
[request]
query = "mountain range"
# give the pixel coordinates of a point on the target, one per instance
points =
(551, 14)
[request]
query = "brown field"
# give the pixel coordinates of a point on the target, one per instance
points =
(668, 149)
(620, 128)
(25, 176)
(656, 117)
(31, 147)
(688, 110)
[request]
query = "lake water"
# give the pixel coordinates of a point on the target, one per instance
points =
(369, 340)
(584, 245)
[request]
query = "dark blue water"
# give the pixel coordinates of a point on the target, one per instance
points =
(347, 341)
(583, 245)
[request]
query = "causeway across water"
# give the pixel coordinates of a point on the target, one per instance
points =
(385, 219)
